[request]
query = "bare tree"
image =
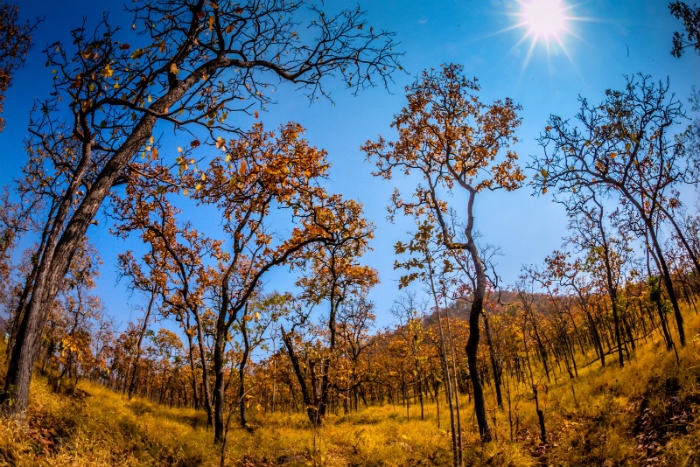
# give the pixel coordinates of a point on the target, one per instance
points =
(622, 148)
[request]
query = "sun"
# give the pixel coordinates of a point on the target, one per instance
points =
(544, 19)
(546, 23)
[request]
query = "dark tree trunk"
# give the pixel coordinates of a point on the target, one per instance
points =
(193, 369)
(616, 321)
(471, 349)
(595, 335)
(309, 403)
(206, 390)
(61, 244)
(477, 309)
(496, 368)
(241, 374)
(668, 282)
(219, 380)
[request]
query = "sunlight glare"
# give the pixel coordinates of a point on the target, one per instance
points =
(544, 21)
(544, 18)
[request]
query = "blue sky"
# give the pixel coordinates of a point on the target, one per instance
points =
(603, 41)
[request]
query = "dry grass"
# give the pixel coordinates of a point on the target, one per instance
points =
(647, 413)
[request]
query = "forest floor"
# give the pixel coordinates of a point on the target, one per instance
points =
(645, 414)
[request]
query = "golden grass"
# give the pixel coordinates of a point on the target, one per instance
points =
(647, 413)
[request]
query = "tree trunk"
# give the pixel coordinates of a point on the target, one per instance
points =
(594, 333)
(477, 308)
(142, 332)
(311, 409)
(241, 374)
(206, 390)
(190, 356)
(494, 364)
(219, 380)
(61, 245)
(325, 377)
(668, 282)
(471, 349)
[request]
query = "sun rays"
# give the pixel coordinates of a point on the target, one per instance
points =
(544, 24)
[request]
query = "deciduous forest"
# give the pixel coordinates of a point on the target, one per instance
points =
(592, 357)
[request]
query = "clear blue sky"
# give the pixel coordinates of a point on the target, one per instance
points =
(602, 41)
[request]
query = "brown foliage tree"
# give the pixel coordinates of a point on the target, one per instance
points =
(16, 40)
(690, 17)
(450, 139)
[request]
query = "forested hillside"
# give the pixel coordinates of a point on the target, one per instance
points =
(645, 414)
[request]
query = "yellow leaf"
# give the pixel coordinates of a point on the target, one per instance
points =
(211, 22)
(173, 68)
(198, 186)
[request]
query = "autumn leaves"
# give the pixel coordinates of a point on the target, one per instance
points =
(186, 73)
(267, 189)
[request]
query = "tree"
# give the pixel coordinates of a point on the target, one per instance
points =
(606, 253)
(336, 276)
(16, 40)
(147, 284)
(14, 220)
(166, 351)
(571, 275)
(264, 177)
(450, 139)
(621, 148)
(690, 17)
(254, 321)
(355, 318)
(197, 62)
(70, 321)
(410, 330)
(431, 262)
(176, 262)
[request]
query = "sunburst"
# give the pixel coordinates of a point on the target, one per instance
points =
(546, 23)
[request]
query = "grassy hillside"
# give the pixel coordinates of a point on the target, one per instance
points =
(646, 414)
